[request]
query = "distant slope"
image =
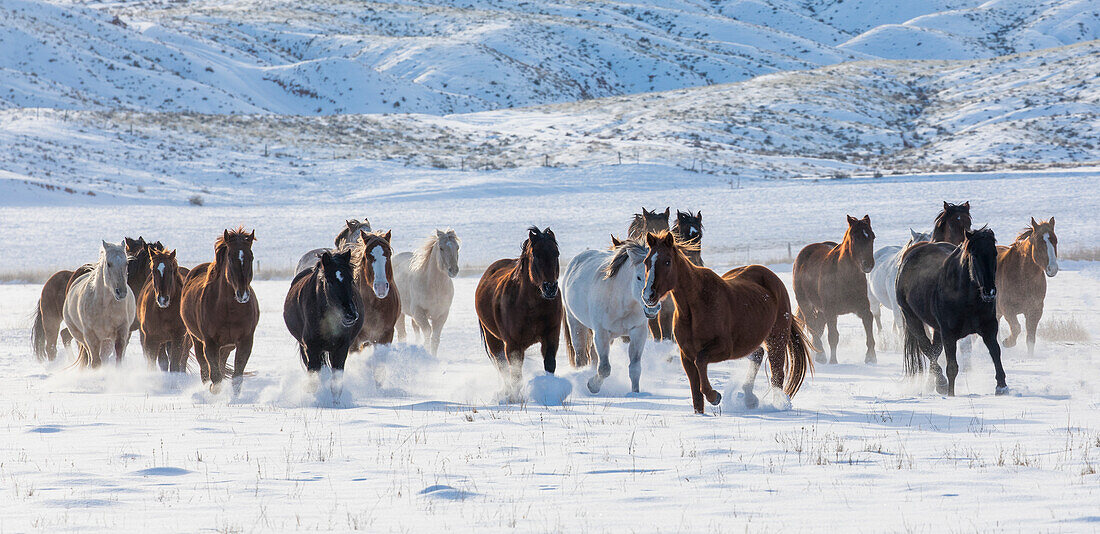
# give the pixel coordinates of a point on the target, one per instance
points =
(349, 56)
(1030, 110)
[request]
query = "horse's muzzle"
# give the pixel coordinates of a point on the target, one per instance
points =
(549, 290)
(1051, 271)
(350, 317)
(243, 296)
(651, 311)
(867, 267)
(452, 272)
(381, 289)
(989, 296)
(163, 302)
(120, 294)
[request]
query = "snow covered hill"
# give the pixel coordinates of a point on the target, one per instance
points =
(343, 56)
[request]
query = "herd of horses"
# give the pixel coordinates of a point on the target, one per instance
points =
(942, 286)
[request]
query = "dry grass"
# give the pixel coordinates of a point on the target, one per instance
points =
(1064, 329)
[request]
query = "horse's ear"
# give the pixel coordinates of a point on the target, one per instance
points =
(172, 254)
(225, 235)
(548, 232)
(326, 260)
(668, 211)
(946, 205)
(534, 232)
(669, 239)
(851, 220)
(966, 205)
(645, 212)
(867, 217)
(439, 233)
(1034, 225)
(349, 222)
(252, 235)
(387, 235)
(615, 243)
(1051, 221)
(699, 215)
(344, 257)
(651, 239)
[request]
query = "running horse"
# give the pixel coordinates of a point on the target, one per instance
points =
(164, 337)
(1022, 268)
(373, 272)
(220, 310)
(726, 317)
(830, 279)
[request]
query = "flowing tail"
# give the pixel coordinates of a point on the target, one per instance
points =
(569, 341)
(799, 360)
(38, 334)
(918, 348)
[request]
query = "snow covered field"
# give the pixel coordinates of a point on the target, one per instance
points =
(418, 443)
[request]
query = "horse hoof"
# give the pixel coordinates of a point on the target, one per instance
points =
(832, 361)
(751, 402)
(1002, 390)
(717, 399)
(941, 389)
(871, 360)
(594, 385)
(820, 358)
(1008, 343)
(216, 387)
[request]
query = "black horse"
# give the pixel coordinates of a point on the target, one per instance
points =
(688, 228)
(953, 291)
(322, 311)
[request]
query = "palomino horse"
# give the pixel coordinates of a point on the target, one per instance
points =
(952, 223)
(518, 305)
(48, 313)
(647, 221)
(322, 313)
(1020, 270)
(830, 280)
(163, 335)
(348, 236)
(602, 294)
(951, 289)
(99, 308)
(220, 310)
(882, 280)
(424, 280)
(726, 317)
(373, 273)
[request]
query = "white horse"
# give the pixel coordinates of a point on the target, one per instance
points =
(882, 280)
(100, 307)
(602, 293)
(423, 279)
(353, 228)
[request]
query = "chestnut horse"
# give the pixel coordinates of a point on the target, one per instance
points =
(1022, 286)
(952, 223)
(726, 317)
(373, 273)
(220, 310)
(518, 304)
(163, 335)
(830, 280)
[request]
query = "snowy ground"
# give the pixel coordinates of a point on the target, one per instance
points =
(418, 443)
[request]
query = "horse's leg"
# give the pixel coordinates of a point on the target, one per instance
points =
(549, 346)
(989, 336)
(579, 336)
(655, 327)
(1031, 321)
(693, 381)
(150, 349)
(816, 326)
(637, 345)
(603, 348)
(755, 359)
(875, 308)
(423, 328)
(668, 309)
(437, 330)
(122, 340)
(177, 355)
(1013, 329)
(417, 329)
(214, 368)
(514, 373)
(200, 357)
(240, 360)
(867, 319)
(834, 338)
(50, 327)
(950, 345)
(933, 362)
(399, 327)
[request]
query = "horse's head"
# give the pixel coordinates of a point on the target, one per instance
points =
(446, 249)
(234, 250)
(339, 283)
(1044, 245)
(163, 269)
(861, 239)
(113, 259)
(655, 221)
(631, 254)
(917, 237)
(137, 257)
(375, 251)
(661, 262)
(351, 232)
(688, 227)
(952, 223)
(980, 250)
(540, 261)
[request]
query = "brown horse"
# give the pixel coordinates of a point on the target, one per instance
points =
(952, 223)
(726, 317)
(830, 280)
(1022, 286)
(518, 304)
(47, 316)
(220, 310)
(373, 273)
(163, 335)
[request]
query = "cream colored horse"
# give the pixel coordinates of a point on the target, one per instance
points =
(424, 280)
(100, 307)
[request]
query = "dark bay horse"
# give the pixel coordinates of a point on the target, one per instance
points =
(1022, 268)
(322, 312)
(47, 316)
(952, 223)
(164, 337)
(953, 290)
(688, 228)
(373, 272)
(220, 310)
(830, 280)
(726, 317)
(518, 304)
(647, 221)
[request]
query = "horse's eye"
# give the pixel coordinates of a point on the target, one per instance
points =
(668, 262)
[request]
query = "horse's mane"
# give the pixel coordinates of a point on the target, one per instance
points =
(678, 243)
(424, 253)
(1025, 234)
(363, 226)
(622, 253)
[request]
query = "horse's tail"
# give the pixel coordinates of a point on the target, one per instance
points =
(38, 333)
(799, 360)
(569, 341)
(917, 345)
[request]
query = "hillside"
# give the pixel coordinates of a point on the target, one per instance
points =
(343, 56)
